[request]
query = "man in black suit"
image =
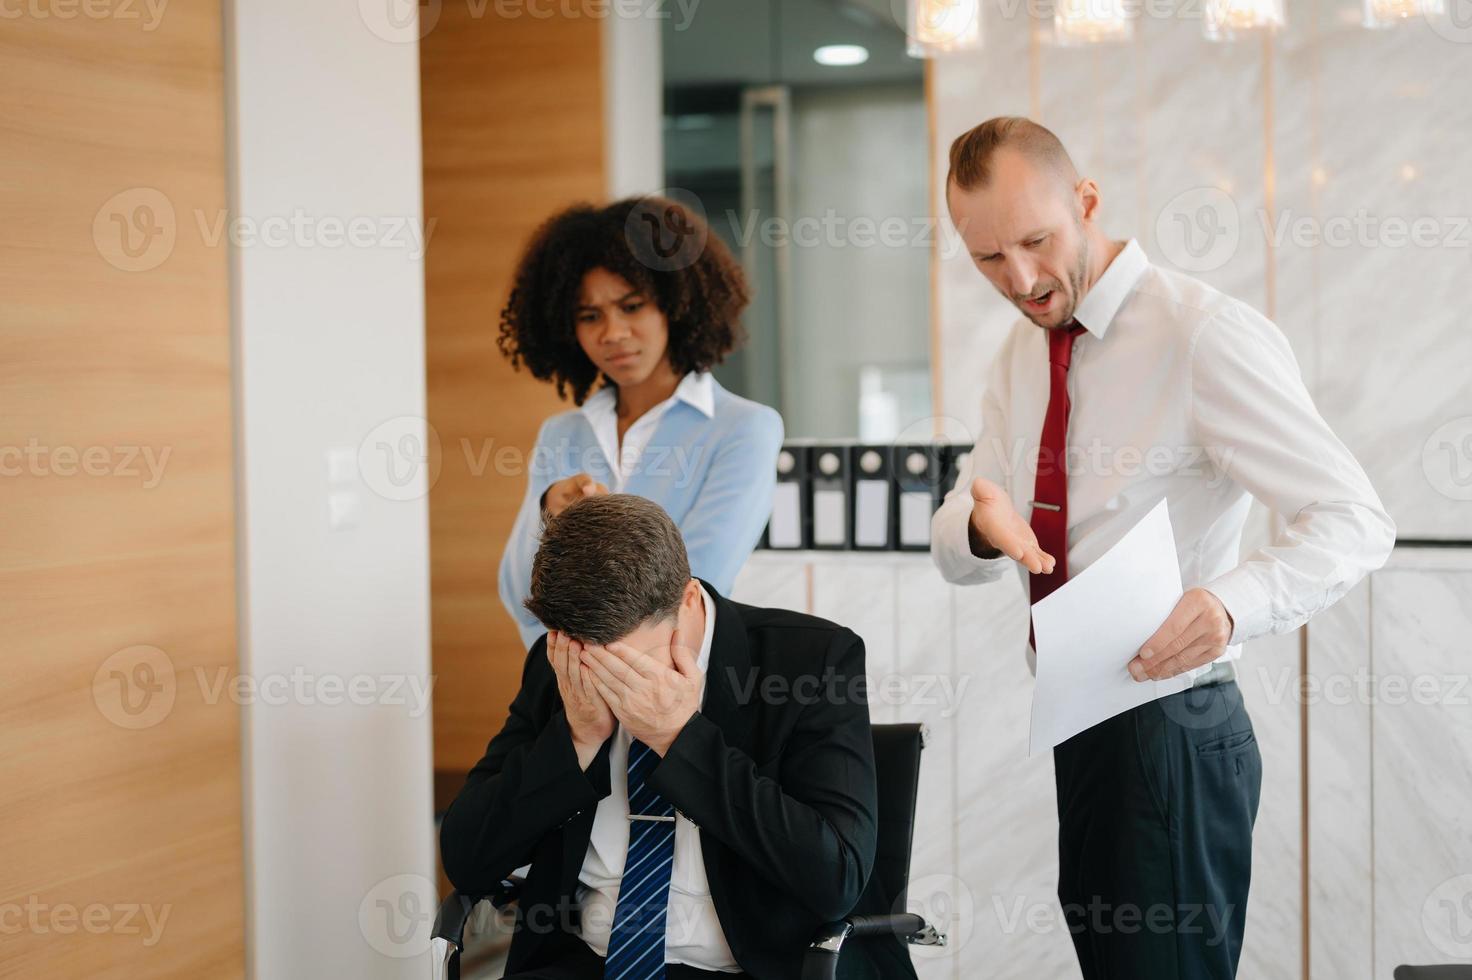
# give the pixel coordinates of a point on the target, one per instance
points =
(690, 779)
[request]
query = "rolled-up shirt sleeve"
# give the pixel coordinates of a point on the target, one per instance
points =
(1253, 415)
(950, 535)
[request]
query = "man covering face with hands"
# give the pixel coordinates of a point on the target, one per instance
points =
(691, 779)
(652, 694)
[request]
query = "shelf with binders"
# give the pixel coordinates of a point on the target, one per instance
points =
(835, 495)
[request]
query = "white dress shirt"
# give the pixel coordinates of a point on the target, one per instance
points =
(1183, 393)
(601, 410)
(693, 933)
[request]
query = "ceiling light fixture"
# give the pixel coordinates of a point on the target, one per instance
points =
(1227, 20)
(841, 55)
(941, 26)
(1388, 13)
(1079, 22)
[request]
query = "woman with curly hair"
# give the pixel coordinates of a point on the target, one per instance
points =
(641, 296)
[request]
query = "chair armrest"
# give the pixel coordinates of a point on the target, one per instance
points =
(447, 941)
(821, 961)
(455, 910)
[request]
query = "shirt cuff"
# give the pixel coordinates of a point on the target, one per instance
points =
(1246, 601)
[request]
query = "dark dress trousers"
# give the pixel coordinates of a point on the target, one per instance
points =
(1155, 811)
(776, 769)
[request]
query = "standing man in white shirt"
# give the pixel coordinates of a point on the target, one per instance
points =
(1124, 384)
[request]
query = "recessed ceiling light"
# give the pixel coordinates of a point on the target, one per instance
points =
(841, 55)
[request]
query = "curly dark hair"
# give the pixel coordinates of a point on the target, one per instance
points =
(697, 284)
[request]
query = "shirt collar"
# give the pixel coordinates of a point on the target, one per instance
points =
(696, 388)
(702, 660)
(1096, 311)
(600, 404)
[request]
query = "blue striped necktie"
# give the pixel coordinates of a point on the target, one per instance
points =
(636, 943)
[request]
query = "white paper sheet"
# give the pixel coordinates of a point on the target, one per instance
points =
(1089, 630)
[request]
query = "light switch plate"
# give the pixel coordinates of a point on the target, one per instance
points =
(342, 465)
(342, 509)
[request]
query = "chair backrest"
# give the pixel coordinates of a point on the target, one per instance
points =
(897, 773)
(1459, 972)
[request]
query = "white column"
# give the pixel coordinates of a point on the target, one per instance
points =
(328, 296)
(633, 101)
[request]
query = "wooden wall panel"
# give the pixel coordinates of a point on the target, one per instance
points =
(121, 808)
(513, 130)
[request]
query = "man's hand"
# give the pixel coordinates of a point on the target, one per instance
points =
(651, 700)
(564, 492)
(996, 525)
(588, 715)
(1195, 633)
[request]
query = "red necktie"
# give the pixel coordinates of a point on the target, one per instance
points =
(1050, 494)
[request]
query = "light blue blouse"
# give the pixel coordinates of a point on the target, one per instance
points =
(713, 474)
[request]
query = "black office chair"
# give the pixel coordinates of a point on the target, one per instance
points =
(897, 769)
(1463, 972)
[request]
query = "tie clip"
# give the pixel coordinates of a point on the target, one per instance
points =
(1039, 503)
(649, 816)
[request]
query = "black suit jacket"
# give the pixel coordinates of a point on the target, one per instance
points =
(777, 771)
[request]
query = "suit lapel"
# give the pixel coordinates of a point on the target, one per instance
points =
(730, 679)
(578, 830)
(730, 682)
(575, 836)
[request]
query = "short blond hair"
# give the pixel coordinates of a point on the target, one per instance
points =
(973, 151)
